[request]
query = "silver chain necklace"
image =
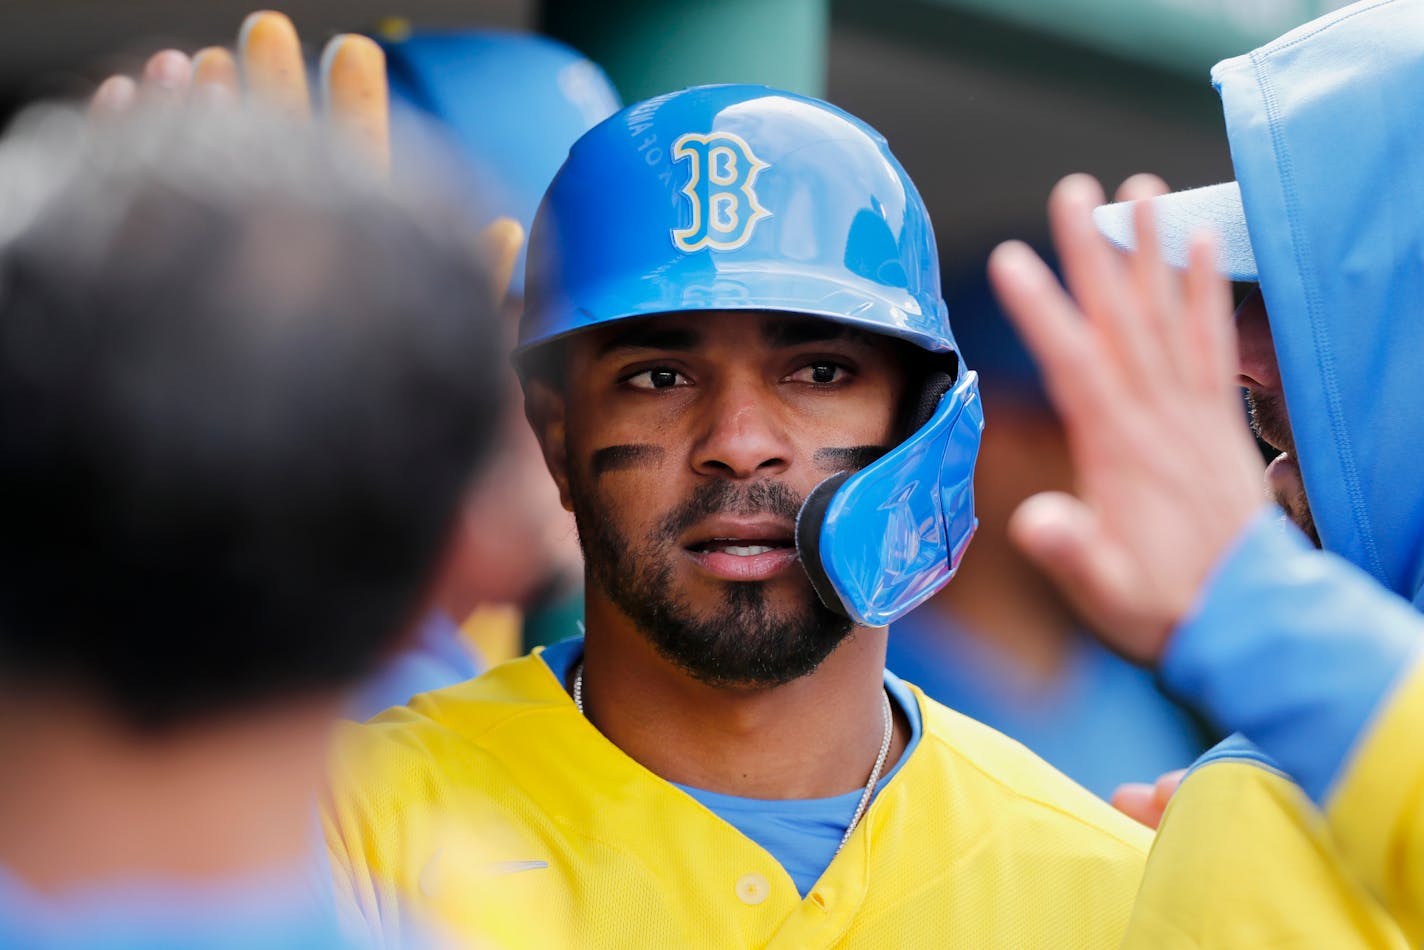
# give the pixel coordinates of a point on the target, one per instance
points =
(874, 779)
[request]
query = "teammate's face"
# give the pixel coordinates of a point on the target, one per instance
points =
(690, 441)
(1262, 379)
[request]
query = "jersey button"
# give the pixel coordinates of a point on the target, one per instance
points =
(752, 888)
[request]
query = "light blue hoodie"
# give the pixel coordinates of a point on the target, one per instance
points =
(1290, 646)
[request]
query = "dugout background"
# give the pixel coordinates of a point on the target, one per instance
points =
(986, 103)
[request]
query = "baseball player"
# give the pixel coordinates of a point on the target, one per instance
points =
(741, 373)
(1311, 655)
(217, 516)
(450, 77)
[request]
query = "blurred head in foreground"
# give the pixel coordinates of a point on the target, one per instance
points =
(244, 384)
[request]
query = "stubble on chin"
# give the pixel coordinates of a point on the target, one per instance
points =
(1271, 423)
(741, 641)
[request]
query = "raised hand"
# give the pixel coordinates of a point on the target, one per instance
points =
(1141, 366)
(269, 69)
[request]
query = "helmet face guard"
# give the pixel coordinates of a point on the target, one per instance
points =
(746, 198)
(879, 542)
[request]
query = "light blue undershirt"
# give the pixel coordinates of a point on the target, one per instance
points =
(801, 834)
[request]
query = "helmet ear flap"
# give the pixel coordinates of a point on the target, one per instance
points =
(809, 522)
(878, 542)
(920, 407)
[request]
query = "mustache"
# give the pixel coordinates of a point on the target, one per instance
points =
(1270, 421)
(724, 497)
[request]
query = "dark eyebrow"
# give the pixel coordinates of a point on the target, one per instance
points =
(652, 338)
(796, 332)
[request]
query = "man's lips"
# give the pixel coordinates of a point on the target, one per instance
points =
(740, 550)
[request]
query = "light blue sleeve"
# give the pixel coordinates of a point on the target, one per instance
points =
(1293, 647)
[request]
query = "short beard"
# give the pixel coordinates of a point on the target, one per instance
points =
(744, 645)
(1297, 508)
(1271, 423)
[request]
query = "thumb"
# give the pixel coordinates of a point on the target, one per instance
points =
(1063, 537)
(500, 243)
(1060, 534)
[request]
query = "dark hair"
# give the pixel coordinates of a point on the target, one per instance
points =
(243, 386)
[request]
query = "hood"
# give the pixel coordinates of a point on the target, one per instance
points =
(1326, 126)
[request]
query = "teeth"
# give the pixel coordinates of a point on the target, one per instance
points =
(746, 550)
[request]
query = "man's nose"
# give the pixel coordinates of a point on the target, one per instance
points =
(1257, 352)
(742, 433)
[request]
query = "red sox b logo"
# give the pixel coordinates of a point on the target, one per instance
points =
(720, 185)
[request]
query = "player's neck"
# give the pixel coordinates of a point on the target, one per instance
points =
(814, 737)
(85, 801)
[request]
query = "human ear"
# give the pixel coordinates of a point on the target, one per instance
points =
(544, 407)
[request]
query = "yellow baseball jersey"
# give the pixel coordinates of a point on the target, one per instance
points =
(497, 809)
(1245, 859)
(1376, 811)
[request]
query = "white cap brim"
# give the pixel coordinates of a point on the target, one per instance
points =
(1182, 214)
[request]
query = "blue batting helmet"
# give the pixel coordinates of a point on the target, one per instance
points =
(514, 103)
(747, 198)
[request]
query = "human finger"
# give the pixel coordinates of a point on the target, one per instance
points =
(501, 242)
(1050, 325)
(166, 76)
(355, 94)
(1211, 326)
(1138, 801)
(214, 78)
(1099, 280)
(114, 96)
(1166, 786)
(272, 67)
(1159, 334)
(1136, 186)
